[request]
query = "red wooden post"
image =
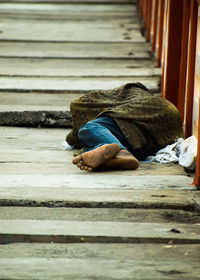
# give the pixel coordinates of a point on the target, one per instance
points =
(144, 8)
(159, 37)
(196, 118)
(154, 20)
(197, 175)
(171, 64)
(149, 15)
(140, 6)
(191, 68)
(184, 53)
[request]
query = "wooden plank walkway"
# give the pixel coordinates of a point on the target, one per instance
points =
(57, 222)
(81, 46)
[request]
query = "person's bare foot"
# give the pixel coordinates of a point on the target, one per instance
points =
(91, 160)
(124, 160)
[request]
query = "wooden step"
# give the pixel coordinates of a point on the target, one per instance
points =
(168, 261)
(33, 102)
(73, 50)
(99, 197)
(72, 84)
(75, 180)
(69, 31)
(140, 252)
(91, 268)
(72, 1)
(99, 214)
(60, 67)
(65, 16)
(83, 7)
(95, 232)
(135, 252)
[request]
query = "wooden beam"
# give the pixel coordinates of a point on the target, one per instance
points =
(197, 93)
(154, 24)
(144, 8)
(197, 175)
(184, 54)
(159, 37)
(171, 63)
(149, 15)
(191, 68)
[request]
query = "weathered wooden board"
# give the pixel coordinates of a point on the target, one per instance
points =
(140, 252)
(124, 25)
(126, 232)
(87, 180)
(48, 7)
(73, 1)
(99, 197)
(77, 67)
(65, 16)
(91, 268)
(16, 101)
(73, 50)
(68, 32)
(20, 269)
(100, 214)
(72, 84)
(42, 118)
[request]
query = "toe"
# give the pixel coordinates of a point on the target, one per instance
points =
(77, 159)
(82, 167)
(79, 164)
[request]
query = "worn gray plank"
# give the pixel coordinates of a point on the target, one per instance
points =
(52, 119)
(73, 1)
(68, 31)
(88, 181)
(92, 268)
(140, 252)
(65, 16)
(100, 214)
(48, 7)
(19, 102)
(77, 67)
(187, 254)
(72, 84)
(73, 50)
(126, 232)
(98, 197)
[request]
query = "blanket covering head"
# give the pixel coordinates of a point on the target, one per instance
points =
(148, 122)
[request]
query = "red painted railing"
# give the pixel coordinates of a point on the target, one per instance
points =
(172, 27)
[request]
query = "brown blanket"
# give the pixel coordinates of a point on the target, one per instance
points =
(148, 122)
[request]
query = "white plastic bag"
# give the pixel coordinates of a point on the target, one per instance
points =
(182, 151)
(66, 146)
(170, 153)
(188, 153)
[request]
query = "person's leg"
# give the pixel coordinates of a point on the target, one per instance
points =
(99, 132)
(103, 148)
